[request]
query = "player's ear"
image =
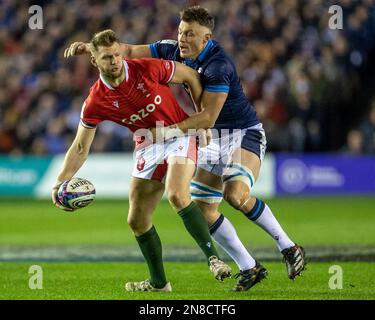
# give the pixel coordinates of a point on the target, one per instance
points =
(207, 37)
(93, 61)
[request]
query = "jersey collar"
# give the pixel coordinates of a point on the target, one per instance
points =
(205, 50)
(201, 56)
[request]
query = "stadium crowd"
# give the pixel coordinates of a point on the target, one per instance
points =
(310, 85)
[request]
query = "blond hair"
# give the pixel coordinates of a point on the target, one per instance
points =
(105, 38)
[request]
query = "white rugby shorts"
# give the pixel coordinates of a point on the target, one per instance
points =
(216, 156)
(151, 162)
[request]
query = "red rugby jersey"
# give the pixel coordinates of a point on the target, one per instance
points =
(143, 98)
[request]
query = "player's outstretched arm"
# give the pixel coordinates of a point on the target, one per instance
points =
(74, 159)
(128, 51)
(135, 51)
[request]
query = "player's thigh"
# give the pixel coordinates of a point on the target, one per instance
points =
(247, 159)
(144, 195)
(177, 183)
(206, 183)
(240, 175)
(208, 178)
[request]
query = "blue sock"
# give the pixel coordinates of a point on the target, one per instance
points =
(256, 211)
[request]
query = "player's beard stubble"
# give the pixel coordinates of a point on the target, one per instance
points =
(113, 75)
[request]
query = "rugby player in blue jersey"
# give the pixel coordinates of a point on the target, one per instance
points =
(233, 159)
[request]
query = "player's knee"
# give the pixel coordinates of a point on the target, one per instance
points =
(133, 223)
(137, 225)
(235, 196)
(179, 199)
(232, 197)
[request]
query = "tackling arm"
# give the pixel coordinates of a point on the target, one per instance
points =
(135, 51)
(211, 105)
(74, 159)
(129, 51)
(190, 77)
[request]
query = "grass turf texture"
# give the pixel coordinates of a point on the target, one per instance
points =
(106, 281)
(313, 221)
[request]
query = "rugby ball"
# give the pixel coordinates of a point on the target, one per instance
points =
(76, 193)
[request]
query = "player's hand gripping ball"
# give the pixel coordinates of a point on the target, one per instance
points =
(76, 193)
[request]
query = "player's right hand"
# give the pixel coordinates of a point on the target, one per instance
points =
(56, 201)
(76, 49)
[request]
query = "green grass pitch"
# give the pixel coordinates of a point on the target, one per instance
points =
(189, 281)
(312, 222)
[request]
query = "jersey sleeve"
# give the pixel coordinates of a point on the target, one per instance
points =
(163, 49)
(89, 119)
(162, 71)
(216, 77)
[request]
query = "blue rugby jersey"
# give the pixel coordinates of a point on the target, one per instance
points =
(218, 74)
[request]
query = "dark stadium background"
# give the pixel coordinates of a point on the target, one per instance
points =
(313, 87)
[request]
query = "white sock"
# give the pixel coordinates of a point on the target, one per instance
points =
(268, 222)
(226, 236)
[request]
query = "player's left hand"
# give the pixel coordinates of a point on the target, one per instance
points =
(56, 201)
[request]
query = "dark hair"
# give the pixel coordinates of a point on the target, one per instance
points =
(104, 38)
(198, 14)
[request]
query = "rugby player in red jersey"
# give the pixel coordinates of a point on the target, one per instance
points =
(135, 94)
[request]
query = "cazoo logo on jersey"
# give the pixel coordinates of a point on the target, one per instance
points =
(144, 112)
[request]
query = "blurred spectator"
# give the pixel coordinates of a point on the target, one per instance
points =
(303, 77)
(354, 145)
(367, 128)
